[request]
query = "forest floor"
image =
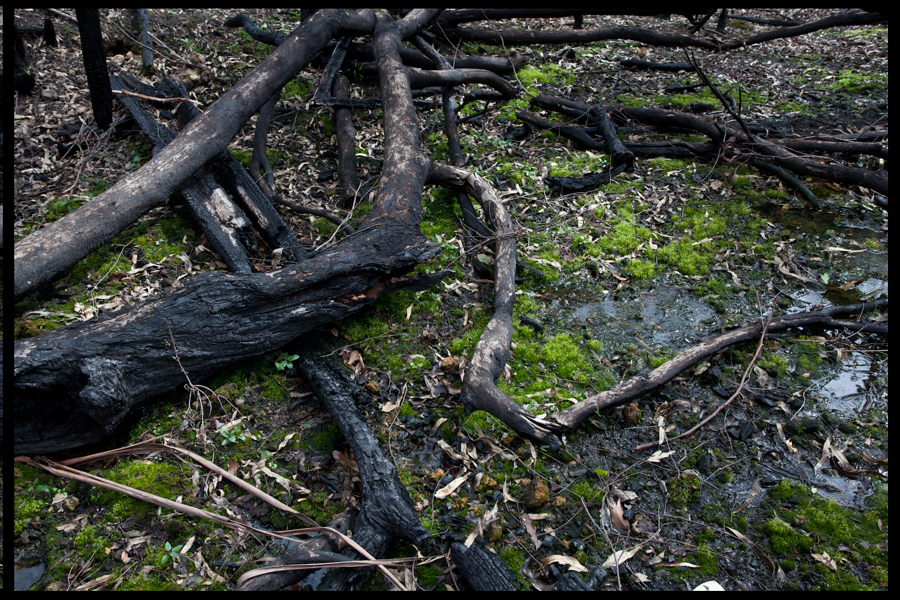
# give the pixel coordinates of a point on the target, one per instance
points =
(635, 272)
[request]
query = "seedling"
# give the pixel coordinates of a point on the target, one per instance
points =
(285, 361)
(171, 553)
(231, 436)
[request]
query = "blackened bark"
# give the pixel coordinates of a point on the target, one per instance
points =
(631, 63)
(717, 133)
(617, 150)
(23, 78)
(223, 223)
(484, 571)
(94, 56)
(790, 180)
(74, 385)
(257, 206)
(260, 35)
(146, 40)
(346, 137)
(386, 511)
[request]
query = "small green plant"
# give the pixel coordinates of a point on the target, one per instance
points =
(285, 361)
(232, 436)
(171, 552)
(35, 487)
(825, 277)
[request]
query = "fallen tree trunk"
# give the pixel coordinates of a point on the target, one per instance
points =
(52, 251)
(74, 385)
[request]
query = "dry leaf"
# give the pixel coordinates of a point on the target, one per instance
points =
(659, 455)
(619, 557)
(451, 487)
(529, 527)
(709, 586)
(573, 563)
(825, 560)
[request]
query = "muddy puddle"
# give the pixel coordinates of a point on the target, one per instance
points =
(847, 391)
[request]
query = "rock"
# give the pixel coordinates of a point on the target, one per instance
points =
(536, 494)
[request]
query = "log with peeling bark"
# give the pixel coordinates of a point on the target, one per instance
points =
(52, 251)
(223, 223)
(74, 385)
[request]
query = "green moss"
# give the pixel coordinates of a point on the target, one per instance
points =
(89, 543)
(633, 101)
(156, 582)
(809, 357)
(464, 344)
(705, 559)
(667, 164)
(683, 489)
(686, 257)
(624, 238)
(586, 490)
(783, 538)
(428, 575)
(483, 420)
(564, 353)
(532, 76)
(640, 269)
(852, 81)
(324, 441)
(514, 559)
(27, 507)
(577, 164)
(774, 364)
(159, 479)
(364, 327)
(273, 389)
(296, 89)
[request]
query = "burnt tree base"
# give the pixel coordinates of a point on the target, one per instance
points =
(386, 511)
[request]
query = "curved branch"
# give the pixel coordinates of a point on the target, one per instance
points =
(420, 79)
(479, 391)
(639, 385)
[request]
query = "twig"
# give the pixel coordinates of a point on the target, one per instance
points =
(719, 95)
(762, 339)
(154, 98)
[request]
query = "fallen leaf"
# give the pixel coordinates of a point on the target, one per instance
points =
(825, 560)
(659, 455)
(619, 557)
(709, 586)
(451, 487)
(572, 562)
(529, 527)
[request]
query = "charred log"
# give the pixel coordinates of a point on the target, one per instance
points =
(346, 136)
(484, 571)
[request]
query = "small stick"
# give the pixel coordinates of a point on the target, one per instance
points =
(154, 98)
